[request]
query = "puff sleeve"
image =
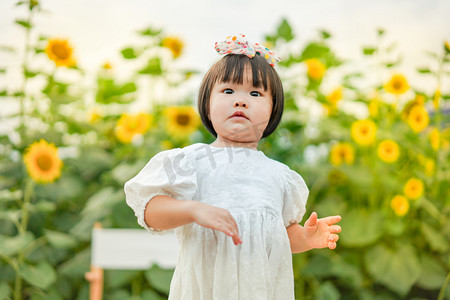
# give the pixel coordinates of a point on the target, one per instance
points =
(171, 173)
(295, 196)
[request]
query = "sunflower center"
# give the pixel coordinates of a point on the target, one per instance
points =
(132, 125)
(60, 51)
(182, 119)
(44, 162)
(364, 131)
(397, 85)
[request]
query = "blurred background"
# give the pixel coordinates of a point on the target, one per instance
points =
(90, 91)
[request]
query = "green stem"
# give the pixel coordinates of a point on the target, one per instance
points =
(22, 230)
(432, 210)
(18, 286)
(26, 204)
(444, 286)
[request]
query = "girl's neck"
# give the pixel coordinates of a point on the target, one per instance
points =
(223, 142)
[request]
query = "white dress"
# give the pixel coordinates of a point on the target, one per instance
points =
(263, 195)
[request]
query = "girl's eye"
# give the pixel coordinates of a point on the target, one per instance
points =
(228, 91)
(255, 94)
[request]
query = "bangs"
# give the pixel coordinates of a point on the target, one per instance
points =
(232, 69)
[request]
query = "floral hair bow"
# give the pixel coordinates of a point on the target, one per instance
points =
(240, 45)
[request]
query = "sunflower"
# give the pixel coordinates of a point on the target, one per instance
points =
(428, 164)
(364, 132)
(316, 69)
(447, 46)
(60, 51)
(388, 151)
(374, 105)
(181, 120)
(335, 96)
(94, 115)
(400, 205)
(435, 138)
(436, 98)
(397, 84)
(174, 44)
(42, 162)
(107, 65)
(130, 125)
(342, 153)
(413, 188)
(329, 109)
(418, 118)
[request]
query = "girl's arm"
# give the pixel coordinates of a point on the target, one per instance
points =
(164, 212)
(317, 233)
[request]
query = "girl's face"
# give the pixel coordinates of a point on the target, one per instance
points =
(252, 105)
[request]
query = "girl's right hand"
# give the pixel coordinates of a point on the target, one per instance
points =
(216, 218)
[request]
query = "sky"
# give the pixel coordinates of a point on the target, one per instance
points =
(99, 29)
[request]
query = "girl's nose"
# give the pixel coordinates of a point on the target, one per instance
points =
(240, 103)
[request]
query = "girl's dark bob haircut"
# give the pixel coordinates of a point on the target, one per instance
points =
(231, 68)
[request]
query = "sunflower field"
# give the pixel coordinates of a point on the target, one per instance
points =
(378, 154)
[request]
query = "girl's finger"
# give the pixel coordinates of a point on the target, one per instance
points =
(331, 245)
(335, 228)
(333, 238)
(331, 220)
(312, 220)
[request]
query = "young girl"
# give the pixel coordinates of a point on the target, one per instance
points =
(236, 211)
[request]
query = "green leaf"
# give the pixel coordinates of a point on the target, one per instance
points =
(120, 278)
(29, 74)
(129, 53)
(119, 295)
(360, 228)
(41, 275)
(45, 206)
(151, 295)
(150, 31)
(51, 295)
(76, 266)
(318, 266)
(325, 34)
(153, 67)
(124, 171)
(424, 70)
(108, 91)
(64, 190)
(327, 291)
(433, 273)
(395, 226)
(60, 240)
(380, 31)
(5, 291)
(24, 23)
(398, 269)
(369, 50)
(348, 272)
(10, 246)
(97, 207)
(3, 93)
(159, 278)
(285, 31)
(315, 50)
(434, 238)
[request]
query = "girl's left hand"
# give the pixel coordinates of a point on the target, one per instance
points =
(322, 233)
